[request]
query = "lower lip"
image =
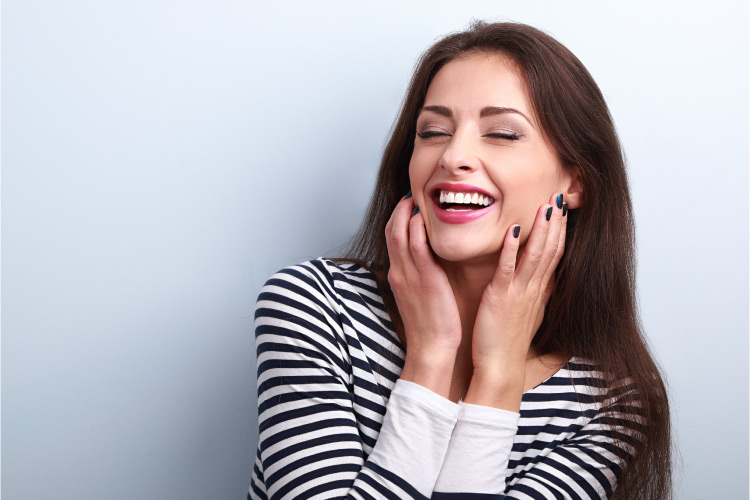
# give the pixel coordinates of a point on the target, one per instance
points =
(459, 216)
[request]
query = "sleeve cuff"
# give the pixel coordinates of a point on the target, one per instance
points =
(487, 415)
(426, 398)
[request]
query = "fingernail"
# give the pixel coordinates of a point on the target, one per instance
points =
(559, 200)
(408, 195)
(416, 210)
(516, 231)
(548, 214)
(565, 209)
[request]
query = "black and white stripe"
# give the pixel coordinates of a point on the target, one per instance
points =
(328, 359)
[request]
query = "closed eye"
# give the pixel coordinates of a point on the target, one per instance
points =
(495, 135)
(503, 135)
(431, 133)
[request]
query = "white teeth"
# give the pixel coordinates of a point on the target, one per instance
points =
(465, 198)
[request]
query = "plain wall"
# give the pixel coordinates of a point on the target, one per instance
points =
(160, 159)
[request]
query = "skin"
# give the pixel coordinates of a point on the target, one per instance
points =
(472, 295)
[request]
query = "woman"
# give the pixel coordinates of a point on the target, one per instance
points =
(481, 338)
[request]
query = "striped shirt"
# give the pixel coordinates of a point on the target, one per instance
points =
(335, 421)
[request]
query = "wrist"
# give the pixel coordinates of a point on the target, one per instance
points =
(501, 389)
(432, 370)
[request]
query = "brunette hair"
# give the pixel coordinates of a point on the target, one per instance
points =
(593, 311)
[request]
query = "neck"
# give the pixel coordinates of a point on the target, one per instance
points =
(468, 279)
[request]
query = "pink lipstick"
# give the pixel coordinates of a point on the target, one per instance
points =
(446, 211)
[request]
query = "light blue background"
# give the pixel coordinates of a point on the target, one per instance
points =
(160, 159)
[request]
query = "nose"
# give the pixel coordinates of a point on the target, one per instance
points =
(460, 155)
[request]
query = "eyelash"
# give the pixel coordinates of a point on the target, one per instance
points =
(431, 133)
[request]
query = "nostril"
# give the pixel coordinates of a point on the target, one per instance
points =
(464, 167)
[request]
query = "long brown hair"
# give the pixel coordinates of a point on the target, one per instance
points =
(592, 312)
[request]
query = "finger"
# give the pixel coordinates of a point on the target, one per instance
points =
(398, 235)
(549, 288)
(388, 228)
(389, 224)
(534, 249)
(506, 268)
(551, 246)
(418, 246)
(549, 280)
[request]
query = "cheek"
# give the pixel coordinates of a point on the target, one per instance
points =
(533, 184)
(526, 191)
(421, 162)
(521, 203)
(419, 177)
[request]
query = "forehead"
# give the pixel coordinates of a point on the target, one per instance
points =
(471, 82)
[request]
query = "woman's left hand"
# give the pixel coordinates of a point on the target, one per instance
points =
(512, 308)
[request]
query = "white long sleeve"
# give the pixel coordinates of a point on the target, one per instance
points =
(416, 434)
(479, 450)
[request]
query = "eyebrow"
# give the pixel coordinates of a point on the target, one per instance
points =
(485, 112)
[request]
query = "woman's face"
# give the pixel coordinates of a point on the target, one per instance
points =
(477, 136)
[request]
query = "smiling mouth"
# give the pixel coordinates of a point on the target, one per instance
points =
(460, 201)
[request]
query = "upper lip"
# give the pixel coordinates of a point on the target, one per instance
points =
(458, 187)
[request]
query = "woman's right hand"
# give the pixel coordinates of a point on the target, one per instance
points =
(425, 301)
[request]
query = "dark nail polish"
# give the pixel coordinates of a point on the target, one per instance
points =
(408, 195)
(565, 209)
(559, 200)
(548, 214)
(516, 231)
(416, 210)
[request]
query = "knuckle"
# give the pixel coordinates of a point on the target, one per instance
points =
(533, 293)
(507, 268)
(550, 251)
(560, 251)
(415, 246)
(394, 279)
(395, 238)
(535, 257)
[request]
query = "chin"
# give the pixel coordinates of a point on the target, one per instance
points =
(460, 252)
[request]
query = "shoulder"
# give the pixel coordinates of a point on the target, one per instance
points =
(609, 385)
(616, 399)
(585, 371)
(323, 291)
(322, 279)
(582, 381)
(579, 375)
(299, 310)
(324, 309)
